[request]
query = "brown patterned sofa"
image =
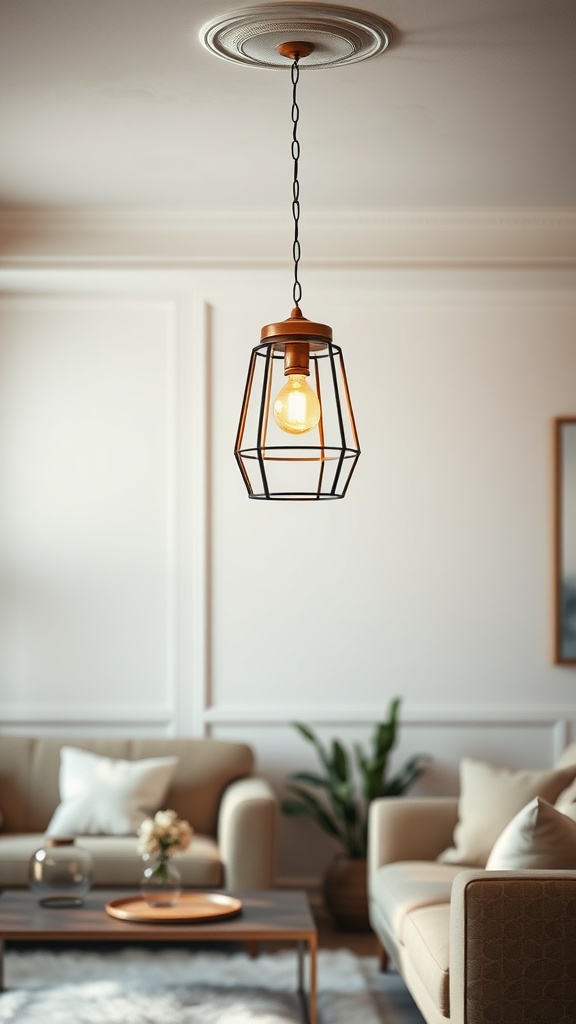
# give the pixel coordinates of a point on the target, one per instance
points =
(212, 785)
(474, 945)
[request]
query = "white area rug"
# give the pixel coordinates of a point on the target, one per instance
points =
(139, 986)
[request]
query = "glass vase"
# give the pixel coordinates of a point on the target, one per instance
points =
(161, 884)
(60, 873)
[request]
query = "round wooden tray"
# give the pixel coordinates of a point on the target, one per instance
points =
(191, 906)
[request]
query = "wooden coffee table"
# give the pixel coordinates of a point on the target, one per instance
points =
(265, 917)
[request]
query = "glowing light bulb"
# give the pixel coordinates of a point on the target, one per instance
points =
(296, 408)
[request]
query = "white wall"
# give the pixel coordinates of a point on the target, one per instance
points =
(143, 591)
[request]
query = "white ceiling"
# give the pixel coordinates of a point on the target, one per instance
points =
(114, 102)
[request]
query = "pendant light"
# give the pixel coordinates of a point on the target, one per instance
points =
(296, 438)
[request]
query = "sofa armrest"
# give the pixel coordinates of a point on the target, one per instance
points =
(513, 946)
(409, 829)
(247, 822)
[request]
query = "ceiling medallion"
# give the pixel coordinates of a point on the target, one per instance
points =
(339, 35)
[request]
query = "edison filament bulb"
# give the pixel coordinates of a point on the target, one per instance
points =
(296, 408)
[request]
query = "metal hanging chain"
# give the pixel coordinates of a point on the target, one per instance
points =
(296, 252)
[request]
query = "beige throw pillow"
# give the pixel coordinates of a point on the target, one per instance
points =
(538, 837)
(567, 798)
(568, 757)
(490, 796)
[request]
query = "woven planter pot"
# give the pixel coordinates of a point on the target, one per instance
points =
(345, 893)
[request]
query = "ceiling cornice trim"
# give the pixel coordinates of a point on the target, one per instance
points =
(565, 215)
(93, 237)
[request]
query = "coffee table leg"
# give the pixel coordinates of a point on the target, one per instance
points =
(313, 981)
(301, 966)
(308, 1002)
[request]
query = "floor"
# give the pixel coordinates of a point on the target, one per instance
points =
(331, 937)
(396, 1005)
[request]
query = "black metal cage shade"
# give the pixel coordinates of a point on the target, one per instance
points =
(314, 466)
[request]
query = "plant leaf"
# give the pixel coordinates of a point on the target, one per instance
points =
(361, 759)
(385, 736)
(411, 771)
(339, 760)
(305, 731)
(293, 808)
(315, 809)
(310, 778)
(344, 802)
(343, 810)
(310, 735)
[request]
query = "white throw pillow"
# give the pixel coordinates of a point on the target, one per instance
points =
(106, 796)
(489, 798)
(538, 837)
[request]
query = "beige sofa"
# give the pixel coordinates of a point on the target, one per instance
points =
(233, 812)
(474, 945)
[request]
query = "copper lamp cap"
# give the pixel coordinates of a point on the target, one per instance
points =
(297, 328)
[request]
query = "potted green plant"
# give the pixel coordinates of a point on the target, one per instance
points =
(338, 799)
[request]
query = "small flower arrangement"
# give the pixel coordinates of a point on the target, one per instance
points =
(164, 835)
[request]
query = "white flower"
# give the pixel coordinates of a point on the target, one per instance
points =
(165, 819)
(184, 836)
(164, 834)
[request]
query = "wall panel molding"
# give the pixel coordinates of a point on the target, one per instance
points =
(554, 721)
(447, 715)
(192, 238)
(193, 512)
(176, 701)
(556, 724)
(92, 714)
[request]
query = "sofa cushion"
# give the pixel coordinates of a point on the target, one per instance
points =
(115, 860)
(490, 796)
(108, 796)
(427, 943)
(400, 888)
(538, 837)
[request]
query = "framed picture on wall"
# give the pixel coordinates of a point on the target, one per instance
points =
(565, 540)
